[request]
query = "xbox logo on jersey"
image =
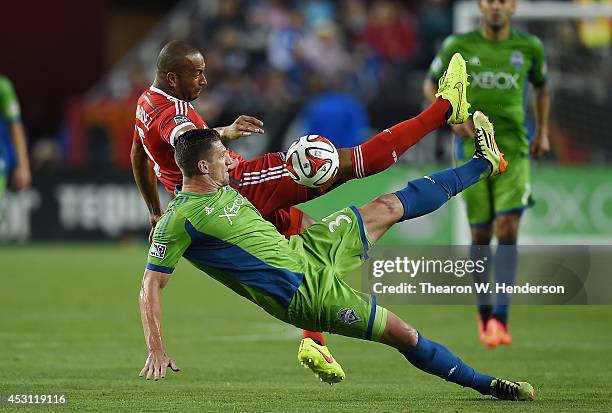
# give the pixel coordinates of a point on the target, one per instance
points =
(499, 80)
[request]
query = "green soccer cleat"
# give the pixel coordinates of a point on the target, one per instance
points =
(486, 147)
(452, 86)
(318, 359)
(512, 390)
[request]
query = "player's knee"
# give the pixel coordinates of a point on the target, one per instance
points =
(506, 227)
(399, 334)
(389, 205)
(482, 235)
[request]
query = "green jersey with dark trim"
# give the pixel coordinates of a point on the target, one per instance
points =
(9, 112)
(499, 73)
(223, 234)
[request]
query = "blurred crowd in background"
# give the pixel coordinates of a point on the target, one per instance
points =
(343, 69)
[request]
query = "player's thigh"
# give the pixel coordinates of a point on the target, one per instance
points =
(479, 203)
(324, 302)
(351, 313)
(339, 241)
(512, 189)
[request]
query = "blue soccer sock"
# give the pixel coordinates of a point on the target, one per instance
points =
(424, 195)
(482, 252)
(506, 262)
(436, 359)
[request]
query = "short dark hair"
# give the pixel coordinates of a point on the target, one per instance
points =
(193, 146)
(172, 56)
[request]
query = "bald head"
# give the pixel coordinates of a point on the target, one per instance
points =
(180, 70)
(173, 56)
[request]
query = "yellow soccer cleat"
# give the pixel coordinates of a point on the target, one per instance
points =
(486, 147)
(452, 86)
(319, 359)
(512, 390)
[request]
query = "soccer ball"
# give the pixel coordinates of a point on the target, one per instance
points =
(312, 161)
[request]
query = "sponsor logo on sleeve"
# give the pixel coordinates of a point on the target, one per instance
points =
(13, 109)
(157, 250)
(180, 119)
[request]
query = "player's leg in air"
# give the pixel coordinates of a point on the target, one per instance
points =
(347, 312)
(421, 197)
(350, 313)
(265, 183)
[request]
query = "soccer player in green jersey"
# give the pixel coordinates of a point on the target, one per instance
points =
(11, 115)
(299, 280)
(501, 61)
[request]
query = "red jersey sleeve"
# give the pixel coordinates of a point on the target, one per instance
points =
(174, 119)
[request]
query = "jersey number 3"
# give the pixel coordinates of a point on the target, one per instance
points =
(336, 222)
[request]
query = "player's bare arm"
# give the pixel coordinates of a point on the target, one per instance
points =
(146, 182)
(244, 125)
(157, 361)
(541, 145)
(22, 177)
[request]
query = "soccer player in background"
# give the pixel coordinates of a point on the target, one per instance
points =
(10, 114)
(164, 113)
(300, 280)
(500, 62)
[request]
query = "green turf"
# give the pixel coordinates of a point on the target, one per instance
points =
(69, 322)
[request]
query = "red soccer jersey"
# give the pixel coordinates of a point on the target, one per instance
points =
(263, 180)
(159, 116)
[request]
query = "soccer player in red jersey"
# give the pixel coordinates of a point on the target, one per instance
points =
(163, 113)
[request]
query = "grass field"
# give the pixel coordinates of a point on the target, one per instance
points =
(69, 323)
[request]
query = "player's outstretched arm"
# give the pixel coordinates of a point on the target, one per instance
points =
(243, 126)
(146, 182)
(150, 313)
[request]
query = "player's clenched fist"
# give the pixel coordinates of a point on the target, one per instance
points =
(156, 365)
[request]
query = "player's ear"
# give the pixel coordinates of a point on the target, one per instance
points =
(203, 167)
(172, 79)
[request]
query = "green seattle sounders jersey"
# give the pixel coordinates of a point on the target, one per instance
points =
(499, 72)
(9, 106)
(9, 112)
(224, 235)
